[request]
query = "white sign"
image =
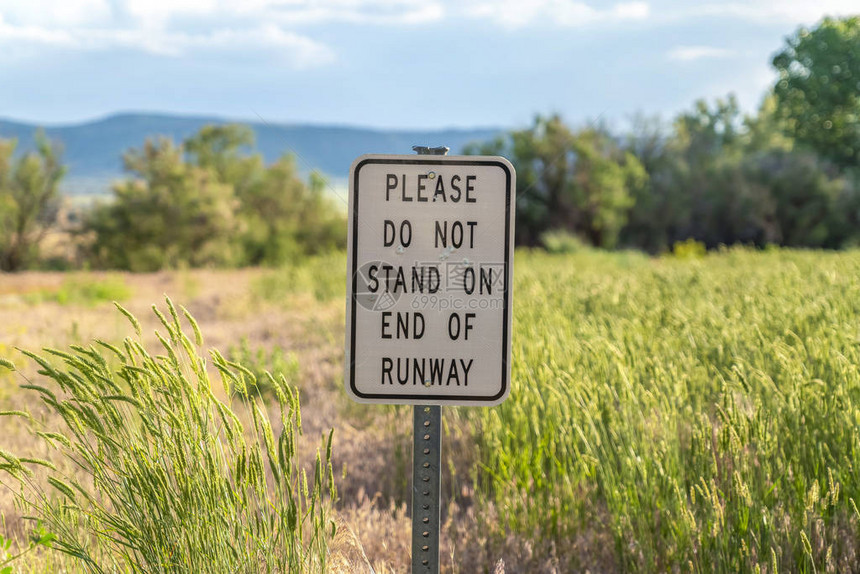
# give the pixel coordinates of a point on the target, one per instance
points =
(430, 270)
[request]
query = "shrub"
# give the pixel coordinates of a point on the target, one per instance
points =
(689, 249)
(85, 291)
(169, 478)
(561, 241)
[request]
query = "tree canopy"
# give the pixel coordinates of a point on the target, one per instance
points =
(28, 199)
(208, 202)
(818, 90)
(581, 180)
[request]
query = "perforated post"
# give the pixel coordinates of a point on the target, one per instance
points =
(426, 476)
(426, 470)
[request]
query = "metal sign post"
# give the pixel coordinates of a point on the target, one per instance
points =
(426, 480)
(426, 470)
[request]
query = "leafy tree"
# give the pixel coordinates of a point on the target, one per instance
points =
(766, 130)
(722, 179)
(698, 187)
(220, 148)
(818, 90)
(712, 175)
(170, 214)
(579, 181)
(604, 181)
(283, 216)
(209, 202)
(715, 203)
(544, 160)
(532, 195)
(656, 204)
(812, 203)
(28, 200)
(287, 218)
(708, 131)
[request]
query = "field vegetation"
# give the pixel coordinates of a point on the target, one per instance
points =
(696, 413)
(703, 412)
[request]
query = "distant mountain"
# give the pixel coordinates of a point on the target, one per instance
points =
(93, 150)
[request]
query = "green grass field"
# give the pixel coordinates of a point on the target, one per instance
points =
(697, 414)
(702, 413)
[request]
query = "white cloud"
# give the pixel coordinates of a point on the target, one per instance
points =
(632, 10)
(790, 11)
(122, 22)
(152, 13)
(569, 13)
(299, 51)
(52, 13)
(33, 34)
(373, 12)
(289, 12)
(177, 27)
(693, 53)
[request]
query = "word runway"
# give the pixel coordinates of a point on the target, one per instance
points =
(426, 372)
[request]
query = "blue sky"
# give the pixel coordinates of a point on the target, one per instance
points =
(389, 63)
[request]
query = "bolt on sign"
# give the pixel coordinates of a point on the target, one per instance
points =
(430, 270)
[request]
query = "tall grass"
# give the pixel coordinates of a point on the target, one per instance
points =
(706, 413)
(150, 472)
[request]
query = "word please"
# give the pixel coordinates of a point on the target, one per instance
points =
(430, 188)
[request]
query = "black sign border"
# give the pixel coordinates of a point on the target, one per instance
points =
(508, 270)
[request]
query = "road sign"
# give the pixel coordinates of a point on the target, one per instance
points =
(430, 269)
